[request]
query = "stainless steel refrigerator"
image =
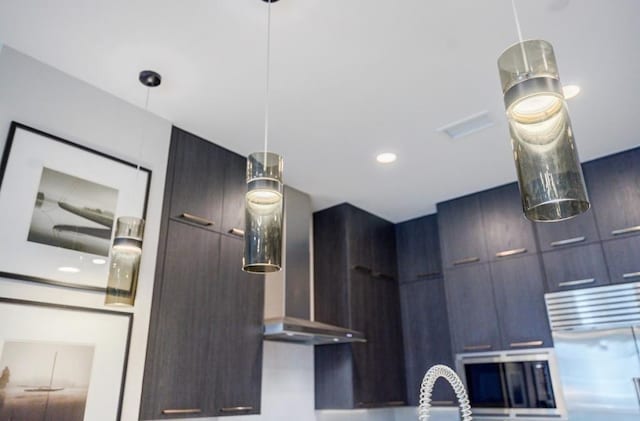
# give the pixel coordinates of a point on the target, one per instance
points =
(596, 333)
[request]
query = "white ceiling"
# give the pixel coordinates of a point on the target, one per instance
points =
(350, 78)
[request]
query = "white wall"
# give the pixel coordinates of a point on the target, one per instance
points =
(47, 99)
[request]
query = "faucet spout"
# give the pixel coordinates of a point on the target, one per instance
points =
(426, 389)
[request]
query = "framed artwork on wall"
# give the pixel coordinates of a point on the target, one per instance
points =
(58, 205)
(61, 362)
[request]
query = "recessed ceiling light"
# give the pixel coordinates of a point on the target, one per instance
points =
(570, 91)
(386, 158)
(99, 261)
(68, 269)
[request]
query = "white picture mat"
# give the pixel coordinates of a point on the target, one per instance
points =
(107, 332)
(30, 152)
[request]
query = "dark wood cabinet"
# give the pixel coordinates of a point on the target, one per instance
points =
(179, 337)
(462, 237)
(427, 341)
(574, 268)
(508, 233)
(355, 286)
(418, 249)
(519, 286)
(576, 231)
(623, 259)
(472, 310)
(614, 190)
(235, 187)
(196, 195)
(204, 354)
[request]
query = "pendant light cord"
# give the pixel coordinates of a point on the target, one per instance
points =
(267, 83)
(142, 140)
(519, 29)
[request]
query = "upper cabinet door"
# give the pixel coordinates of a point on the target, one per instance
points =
(575, 268)
(235, 188)
(614, 189)
(360, 239)
(236, 357)
(507, 231)
(418, 249)
(384, 250)
(519, 290)
(198, 180)
(575, 231)
(623, 257)
(472, 309)
(461, 230)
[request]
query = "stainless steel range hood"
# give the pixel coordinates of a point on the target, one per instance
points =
(289, 293)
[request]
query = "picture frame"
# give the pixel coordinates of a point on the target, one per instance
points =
(59, 202)
(62, 362)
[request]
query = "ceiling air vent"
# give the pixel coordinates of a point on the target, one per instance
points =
(468, 125)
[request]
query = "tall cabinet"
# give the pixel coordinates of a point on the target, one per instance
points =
(204, 355)
(356, 286)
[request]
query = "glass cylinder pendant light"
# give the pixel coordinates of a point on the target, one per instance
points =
(264, 204)
(550, 176)
(264, 201)
(126, 250)
(125, 261)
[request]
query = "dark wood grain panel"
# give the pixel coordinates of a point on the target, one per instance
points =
(418, 249)
(574, 268)
(573, 232)
(461, 231)
(235, 187)
(623, 258)
(519, 292)
(181, 319)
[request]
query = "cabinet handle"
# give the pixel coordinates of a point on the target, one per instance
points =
(567, 241)
(525, 344)
(465, 261)
(181, 411)
(626, 230)
(196, 219)
(381, 275)
(237, 409)
(361, 268)
(477, 347)
(578, 282)
(389, 403)
(428, 275)
(442, 402)
(511, 252)
(237, 232)
(631, 275)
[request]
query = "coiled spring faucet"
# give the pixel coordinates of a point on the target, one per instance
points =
(426, 389)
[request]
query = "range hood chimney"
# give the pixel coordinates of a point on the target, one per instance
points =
(289, 293)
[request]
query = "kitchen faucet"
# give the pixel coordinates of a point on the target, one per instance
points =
(429, 380)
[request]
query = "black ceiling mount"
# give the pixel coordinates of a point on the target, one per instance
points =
(150, 78)
(272, 1)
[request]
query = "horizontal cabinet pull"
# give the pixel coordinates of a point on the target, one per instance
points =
(237, 409)
(578, 282)
(237, 232)
(626, 230)
(631, 275)
(465, 261)
(567, 241)
(442, 402)
(196, 219)
(428, 274)
(361, 268)
(389, 403)
(477, 347)
(383, 276)
(510, 252)
(181, 411)
(525, 344)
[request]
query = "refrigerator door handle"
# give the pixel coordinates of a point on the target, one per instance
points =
(636, 382)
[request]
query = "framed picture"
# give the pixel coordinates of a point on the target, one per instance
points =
(61, 362)
(58, 205)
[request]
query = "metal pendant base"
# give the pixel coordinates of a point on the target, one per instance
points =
(149, 78)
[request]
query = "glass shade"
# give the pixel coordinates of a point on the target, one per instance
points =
(125, 262)
(264, 205)
(550, 176)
